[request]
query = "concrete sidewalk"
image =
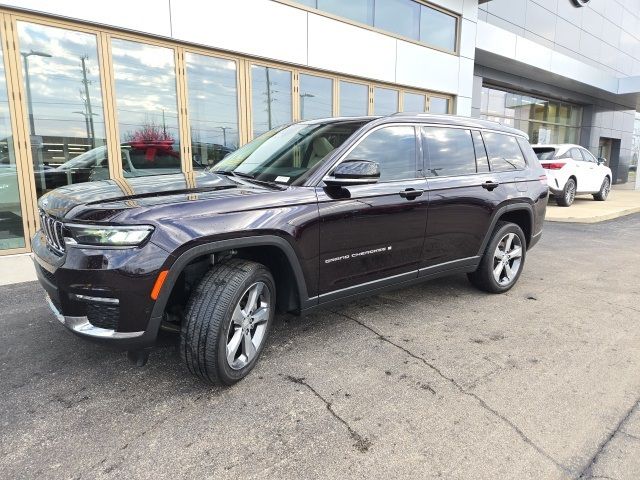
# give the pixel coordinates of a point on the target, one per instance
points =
(17, 269)
(586, 210)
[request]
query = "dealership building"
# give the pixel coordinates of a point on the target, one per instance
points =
(114, 90)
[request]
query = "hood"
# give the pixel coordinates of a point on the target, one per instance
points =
(102, 199)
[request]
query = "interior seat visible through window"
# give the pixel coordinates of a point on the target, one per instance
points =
(321, 147)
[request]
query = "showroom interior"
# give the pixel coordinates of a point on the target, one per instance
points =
(88, 94)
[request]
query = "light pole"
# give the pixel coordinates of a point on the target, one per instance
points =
(25, 59)
(87, 102)
(224, 134)
(302, 97)
(88, 120)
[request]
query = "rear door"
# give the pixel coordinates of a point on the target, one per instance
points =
(463, 194)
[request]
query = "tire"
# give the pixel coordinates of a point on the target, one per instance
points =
(568, 194)
(605, 188)
(484, 277)
(218, 312)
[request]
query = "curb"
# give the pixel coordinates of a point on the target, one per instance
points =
(596, 218)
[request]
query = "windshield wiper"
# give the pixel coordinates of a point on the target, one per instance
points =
(250, 177)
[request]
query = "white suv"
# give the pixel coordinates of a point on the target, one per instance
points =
(572, 170)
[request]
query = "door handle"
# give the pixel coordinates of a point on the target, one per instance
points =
(490, 185)
(411, 193)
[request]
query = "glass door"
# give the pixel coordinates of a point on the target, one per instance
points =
(12, 224)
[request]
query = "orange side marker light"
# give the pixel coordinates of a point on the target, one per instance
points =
(158, 285)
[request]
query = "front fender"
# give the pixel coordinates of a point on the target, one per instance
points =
(229, 244)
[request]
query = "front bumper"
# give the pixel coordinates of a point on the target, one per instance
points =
(102, 294)
(81, 326)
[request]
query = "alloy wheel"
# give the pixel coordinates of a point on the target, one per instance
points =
(570, 194)
(248, 325)
(507, 259)
(606, 188)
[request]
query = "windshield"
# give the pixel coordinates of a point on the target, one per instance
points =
(285, 154)
(545, 153)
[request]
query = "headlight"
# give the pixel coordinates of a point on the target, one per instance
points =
(124, 236)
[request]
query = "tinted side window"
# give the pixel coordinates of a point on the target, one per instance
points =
(482, 160)
(529, 154)
(576, 155)
(449, 151)
(504, 153)
(394, 148)
(588, 156)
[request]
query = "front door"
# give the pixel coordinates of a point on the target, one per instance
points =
(371, 232)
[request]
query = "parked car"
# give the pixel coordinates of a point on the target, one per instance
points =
(304, 216)
(573, 170)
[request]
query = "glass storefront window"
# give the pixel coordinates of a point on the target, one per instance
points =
(64, 105)
(546, 121)
(437, 28)
(354, 99)
(316, 97)
(147, 108)
(11, 226)
(407, 18)
(213, 108)
(356, 10)
(398, 16)
(270, 98)
(414, 102)
(438, 105)
(385, 101)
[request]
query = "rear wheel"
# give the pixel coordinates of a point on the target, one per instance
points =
(503, 259)
(568, 195)
(227, 321)
(602, 195)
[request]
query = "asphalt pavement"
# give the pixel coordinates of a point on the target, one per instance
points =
(433, 381)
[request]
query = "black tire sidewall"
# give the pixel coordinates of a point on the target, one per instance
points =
(601, 195)
(228, 375)
(491, 248)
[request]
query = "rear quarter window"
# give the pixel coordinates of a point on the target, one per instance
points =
(529, 155)
(504, 152)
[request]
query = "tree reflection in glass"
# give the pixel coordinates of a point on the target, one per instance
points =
(146, 103)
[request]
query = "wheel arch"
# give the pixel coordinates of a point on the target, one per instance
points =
(519, 213)
(274, 252)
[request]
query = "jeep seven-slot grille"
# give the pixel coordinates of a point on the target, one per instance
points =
(53, 230)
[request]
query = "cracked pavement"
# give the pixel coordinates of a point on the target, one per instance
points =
(434, 381)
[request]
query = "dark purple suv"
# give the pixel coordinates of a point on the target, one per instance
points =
(306, 215)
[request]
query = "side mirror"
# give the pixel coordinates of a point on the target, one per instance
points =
(353, 172)
(602, 161)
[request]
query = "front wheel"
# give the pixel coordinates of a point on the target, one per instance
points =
(602, 195)
(227, 321)
(503, 259)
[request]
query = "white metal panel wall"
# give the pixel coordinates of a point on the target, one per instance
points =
(343, 48)
(256, 27)
(147, 16)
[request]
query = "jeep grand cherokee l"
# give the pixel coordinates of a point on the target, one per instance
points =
(306, 215)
